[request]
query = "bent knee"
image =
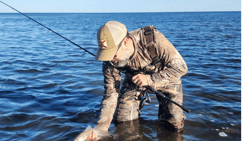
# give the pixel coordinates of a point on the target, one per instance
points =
(176, 122)
(128, 111)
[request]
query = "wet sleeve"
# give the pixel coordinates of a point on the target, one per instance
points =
(175, 66)
(112, 80)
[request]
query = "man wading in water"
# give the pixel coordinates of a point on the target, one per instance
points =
(162, 66)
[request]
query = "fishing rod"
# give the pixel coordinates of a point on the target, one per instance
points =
(48, 28)
(147, 87)
(164, 96)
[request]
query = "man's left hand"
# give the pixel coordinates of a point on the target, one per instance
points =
(140, 80)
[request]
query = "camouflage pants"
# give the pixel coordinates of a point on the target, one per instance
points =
(169, 112)
(128, 106)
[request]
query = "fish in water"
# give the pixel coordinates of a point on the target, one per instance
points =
(92, 134)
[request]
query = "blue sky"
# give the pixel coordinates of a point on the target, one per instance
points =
(95, 6)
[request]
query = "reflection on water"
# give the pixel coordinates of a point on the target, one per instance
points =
(146, 130)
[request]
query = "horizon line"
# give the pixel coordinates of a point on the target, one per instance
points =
(112, 12)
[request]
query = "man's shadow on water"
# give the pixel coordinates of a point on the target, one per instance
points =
(144, 130)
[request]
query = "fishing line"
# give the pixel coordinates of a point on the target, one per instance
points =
(147, 87)
(48, 28)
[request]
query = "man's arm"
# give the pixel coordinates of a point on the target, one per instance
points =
(112, 80)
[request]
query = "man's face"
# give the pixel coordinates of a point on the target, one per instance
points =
(122, 53)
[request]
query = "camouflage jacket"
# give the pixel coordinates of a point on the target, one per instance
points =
(167, 73)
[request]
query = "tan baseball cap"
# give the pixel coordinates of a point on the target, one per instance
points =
(109, 36)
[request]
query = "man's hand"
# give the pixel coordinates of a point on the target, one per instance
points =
(140, 80)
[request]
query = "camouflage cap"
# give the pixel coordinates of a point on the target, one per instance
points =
(109, 36)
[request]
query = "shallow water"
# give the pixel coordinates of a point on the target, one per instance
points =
(51, 89)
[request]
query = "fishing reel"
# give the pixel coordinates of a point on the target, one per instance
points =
(145, 100)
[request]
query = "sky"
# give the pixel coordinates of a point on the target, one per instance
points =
(105, 6)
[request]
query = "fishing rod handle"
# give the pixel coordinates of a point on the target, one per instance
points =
(164, 96)
(185, 109)
(182, 107)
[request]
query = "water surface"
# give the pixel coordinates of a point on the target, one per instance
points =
(51, 89)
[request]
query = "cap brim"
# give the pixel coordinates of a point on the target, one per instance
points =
(106, 54)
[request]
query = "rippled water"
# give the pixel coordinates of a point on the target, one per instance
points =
(51, 90)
